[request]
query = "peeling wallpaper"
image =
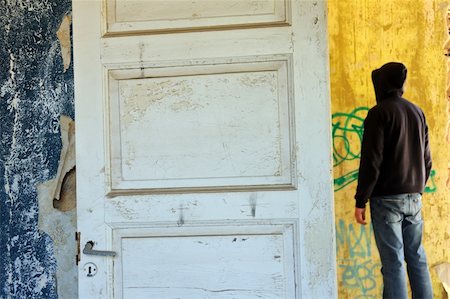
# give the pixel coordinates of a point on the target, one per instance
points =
(36, 88)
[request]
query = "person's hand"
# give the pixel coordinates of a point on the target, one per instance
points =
(360, 215)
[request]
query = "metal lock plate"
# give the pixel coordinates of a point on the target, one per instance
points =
(90, 269)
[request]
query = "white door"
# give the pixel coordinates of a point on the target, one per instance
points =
(203, 149)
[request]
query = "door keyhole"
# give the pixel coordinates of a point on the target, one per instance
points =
(90, 269)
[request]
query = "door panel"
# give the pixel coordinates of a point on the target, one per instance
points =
(257, 263)
(157, 16)
(204, 154)
(208, 126)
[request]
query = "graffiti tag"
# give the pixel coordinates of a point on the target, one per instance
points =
(357, 241)
(362, 276)
(347, 132)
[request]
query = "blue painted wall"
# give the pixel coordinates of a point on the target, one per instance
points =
(34, 92)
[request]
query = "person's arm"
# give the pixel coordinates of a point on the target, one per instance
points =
(427, 153)
(371, 157)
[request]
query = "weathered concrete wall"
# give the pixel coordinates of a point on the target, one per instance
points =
(365, 34)
(36, 88)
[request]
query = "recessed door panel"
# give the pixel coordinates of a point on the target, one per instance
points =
(208, 126)
(156, 16)
(257, 262)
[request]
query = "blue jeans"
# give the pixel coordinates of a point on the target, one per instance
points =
(397, 226)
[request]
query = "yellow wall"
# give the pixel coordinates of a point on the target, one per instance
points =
(364, 34)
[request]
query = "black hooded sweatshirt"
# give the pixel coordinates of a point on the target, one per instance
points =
(395, 154)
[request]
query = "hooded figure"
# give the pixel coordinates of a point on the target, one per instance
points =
(394, 168)
(395, 141)
(388, 80)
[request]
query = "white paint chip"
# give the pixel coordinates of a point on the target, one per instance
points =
(63, 34)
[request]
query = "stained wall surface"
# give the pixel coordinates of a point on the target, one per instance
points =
(36, 89)
(363, 35)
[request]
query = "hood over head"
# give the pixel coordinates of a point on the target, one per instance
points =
(388, 80)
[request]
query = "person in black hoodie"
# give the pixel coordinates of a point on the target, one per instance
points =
(394, 168)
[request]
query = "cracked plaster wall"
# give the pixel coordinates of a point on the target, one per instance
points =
(36, 89)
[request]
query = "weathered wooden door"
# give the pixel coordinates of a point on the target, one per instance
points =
(203, 149)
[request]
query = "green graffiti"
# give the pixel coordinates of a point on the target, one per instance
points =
(431, 185)
(362, 276)
(342, 181)
(347, 132)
